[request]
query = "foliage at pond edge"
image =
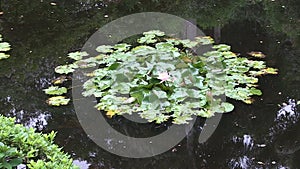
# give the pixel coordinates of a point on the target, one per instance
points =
(19, 144)
(162, 78)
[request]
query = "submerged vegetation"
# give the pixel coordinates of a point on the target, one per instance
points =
(162, 78)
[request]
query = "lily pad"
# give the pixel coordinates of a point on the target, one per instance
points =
(4, 46)
(65, 69)
(57, 101)
(154, 32)
(257, 54)
(228, 107)
(104, 49)
(4, 56)
(255, 91)
(77, 55)
(122, 47)
(55, 90)
(270, 70)
(222, 47)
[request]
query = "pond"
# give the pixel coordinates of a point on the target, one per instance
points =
(41, 34)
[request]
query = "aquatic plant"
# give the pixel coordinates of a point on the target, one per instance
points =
(21, 145)
(162, 78)
(4, 47)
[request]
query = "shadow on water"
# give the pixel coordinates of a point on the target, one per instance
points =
(42, 34)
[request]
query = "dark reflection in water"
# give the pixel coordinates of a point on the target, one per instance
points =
(253, 136)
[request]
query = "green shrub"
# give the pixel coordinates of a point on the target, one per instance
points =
(19, 144)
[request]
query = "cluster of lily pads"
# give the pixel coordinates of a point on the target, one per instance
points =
(4, 47)
(163, 79)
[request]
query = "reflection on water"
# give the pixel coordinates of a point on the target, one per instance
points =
(242, 162)
(284, 138)
(288, 110)
(248, 142)
(83, 164)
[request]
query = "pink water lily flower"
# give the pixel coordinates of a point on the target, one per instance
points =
(165, 77)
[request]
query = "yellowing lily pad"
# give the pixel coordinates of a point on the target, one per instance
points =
(59, 80)
(57, 101)
(111, 113)
(257, 54)
(270, 70)
(3, 56)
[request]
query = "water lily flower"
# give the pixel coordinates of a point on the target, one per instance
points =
(164, 76)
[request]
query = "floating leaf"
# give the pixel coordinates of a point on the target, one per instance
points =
(57, 101)
(188, 43)
(77, 55)
(65, 69)
(173, 41)
(55, 90)
(205, 40)
(227, 106)
(104, 49)
(222, 47)
(257, 64)
(111, 113)
(257, 54)
(4, 46)
(4, 56)
(164, 46)
(255, 91)
(59, 80)
(121, 47)
(270, 70)
(229, 54)
(182, 119)
(149, 38)
(154, 32)
(129, 100)
(248, 101)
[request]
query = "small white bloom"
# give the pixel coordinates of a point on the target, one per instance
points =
(164, 77)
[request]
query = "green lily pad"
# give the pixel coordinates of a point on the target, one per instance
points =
(270, 70)
(154, 32)
(149, 38)
(104, 49)
(57, 101)
(4, 56)
(4, 46)
(55, 90)
(227, 106)
(77, 55)
(255, 91)
(65, 69)
(204, 40)
(188, 43)
(222, 47)
(121, 47)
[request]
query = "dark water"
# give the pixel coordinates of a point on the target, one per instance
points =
(42, 34)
